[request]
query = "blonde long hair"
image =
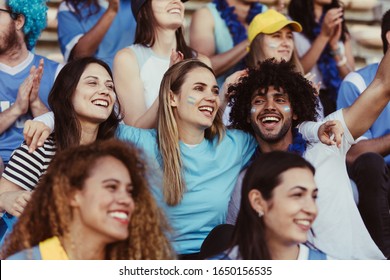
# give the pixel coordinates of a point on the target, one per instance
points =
(168, 134)
(256, 54)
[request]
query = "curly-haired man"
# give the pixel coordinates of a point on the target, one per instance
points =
(269, 103)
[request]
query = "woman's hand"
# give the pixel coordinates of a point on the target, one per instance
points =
(333, 18)
(35, 133)
(14, 202)
(176, 56)
(317, 86)
(335, 38)
(230, 80)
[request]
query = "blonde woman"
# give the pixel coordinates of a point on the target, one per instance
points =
(270, 35)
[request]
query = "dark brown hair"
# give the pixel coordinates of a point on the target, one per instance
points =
(279, 75)
(145, 33)
(264, 175)
(67, 131)
(303, 12)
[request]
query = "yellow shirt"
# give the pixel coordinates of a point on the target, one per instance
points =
(51, 249)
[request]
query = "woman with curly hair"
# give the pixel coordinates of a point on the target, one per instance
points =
(93, 203)
(324, 46)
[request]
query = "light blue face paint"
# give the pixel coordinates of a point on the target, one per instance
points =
(253, 110)
(286, 108)
(191, 100)
(273, 45)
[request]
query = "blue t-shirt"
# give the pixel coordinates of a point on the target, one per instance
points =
(10, 80)
(210, 173)
(72, 27)
(351, 88)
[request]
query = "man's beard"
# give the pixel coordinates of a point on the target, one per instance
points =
(9, 40)
(272, 138)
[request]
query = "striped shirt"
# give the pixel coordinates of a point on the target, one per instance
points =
(25, 169)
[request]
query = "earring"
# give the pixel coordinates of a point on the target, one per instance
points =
(261, 213)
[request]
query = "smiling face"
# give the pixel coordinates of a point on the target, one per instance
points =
(103, 207)
(94, 97)
(279, 45)
(197, 103)
(271, 115)
(290, 212)
(168, 13)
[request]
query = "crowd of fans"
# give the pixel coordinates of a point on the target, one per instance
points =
(246, 142)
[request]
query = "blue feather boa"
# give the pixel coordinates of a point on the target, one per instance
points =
(237, 30)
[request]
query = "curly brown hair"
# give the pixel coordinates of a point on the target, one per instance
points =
(49, 212)
(279, 75)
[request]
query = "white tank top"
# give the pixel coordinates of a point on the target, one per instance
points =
(152, 69)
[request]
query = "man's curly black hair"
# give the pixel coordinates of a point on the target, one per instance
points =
(279, 75)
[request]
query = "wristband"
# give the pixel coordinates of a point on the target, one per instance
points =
(336, 52)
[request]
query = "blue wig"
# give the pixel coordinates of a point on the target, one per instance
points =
(35, 14)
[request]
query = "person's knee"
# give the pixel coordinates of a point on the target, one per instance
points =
(370, 171)
(370, 164)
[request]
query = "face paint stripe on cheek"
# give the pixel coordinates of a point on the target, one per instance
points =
(191, 100)
(287, 108)
(253, 110)
(273, 45)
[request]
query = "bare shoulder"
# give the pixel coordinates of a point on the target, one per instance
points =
(126, 54)
(125, 59)
(202, 17)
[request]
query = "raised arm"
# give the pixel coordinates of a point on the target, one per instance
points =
(202, 40)
(332, 19)
(380, 145)
(130, 90)
(90, 41)
(365, 110)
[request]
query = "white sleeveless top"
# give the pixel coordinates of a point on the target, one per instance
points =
(152, 69)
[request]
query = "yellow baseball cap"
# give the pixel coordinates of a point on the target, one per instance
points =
(269, 22)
